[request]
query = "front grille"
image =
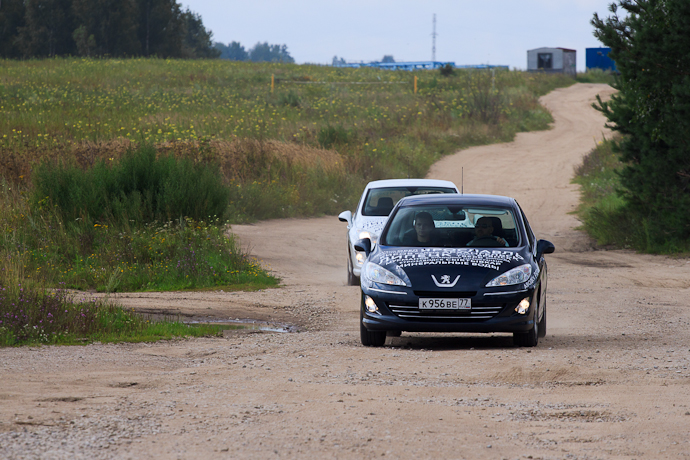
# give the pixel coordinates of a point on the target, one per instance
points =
(446, 294)
(478, 313)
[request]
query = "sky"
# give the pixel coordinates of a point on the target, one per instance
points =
(469, 32)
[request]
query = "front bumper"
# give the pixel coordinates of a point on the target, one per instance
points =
(492, 311)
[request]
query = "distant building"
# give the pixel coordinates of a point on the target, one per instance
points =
(598, 58)
(416, 65)
(552, 60)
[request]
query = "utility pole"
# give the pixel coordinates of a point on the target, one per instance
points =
(433, 41)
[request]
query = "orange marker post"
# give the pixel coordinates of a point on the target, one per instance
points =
(415, 84)
(273, 82)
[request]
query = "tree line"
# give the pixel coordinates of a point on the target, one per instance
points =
(261, 52)
(115, 28)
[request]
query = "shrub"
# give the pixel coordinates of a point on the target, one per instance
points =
(332, 135)
(446, 70)
(139, 187)
(289, 99)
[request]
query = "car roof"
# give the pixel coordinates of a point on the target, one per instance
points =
(464, 200)
(410, 183)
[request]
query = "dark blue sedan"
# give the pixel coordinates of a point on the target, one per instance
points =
(454, 263)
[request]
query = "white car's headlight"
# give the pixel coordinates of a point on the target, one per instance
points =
(361, 234)
(377, 274)
(516, 275)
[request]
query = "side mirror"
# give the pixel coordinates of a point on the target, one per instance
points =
(363, 245)
(545, 247)
(345, 216)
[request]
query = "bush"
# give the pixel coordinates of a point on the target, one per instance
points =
(596, 76)
(289, 99)
(446, 70)
(604, 212)
(35, 316)
(333, 135)
(139, 188)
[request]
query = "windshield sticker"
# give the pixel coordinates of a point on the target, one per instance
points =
(373, 225)
(472, 257)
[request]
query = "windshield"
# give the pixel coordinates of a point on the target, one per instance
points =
(452, 226)
(380, 201)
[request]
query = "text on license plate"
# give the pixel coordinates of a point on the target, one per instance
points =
(445, 304)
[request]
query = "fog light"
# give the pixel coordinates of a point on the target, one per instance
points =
(523, 306)
(370, 304)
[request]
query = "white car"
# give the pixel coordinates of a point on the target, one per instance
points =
(373, 209)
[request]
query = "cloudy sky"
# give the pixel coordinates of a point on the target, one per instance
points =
(468, 31)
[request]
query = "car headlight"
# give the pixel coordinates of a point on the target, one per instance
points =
(361, 233)
(516, 275)
(377, 274)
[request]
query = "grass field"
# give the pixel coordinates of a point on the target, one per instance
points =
(307, 147)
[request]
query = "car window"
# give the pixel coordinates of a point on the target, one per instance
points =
(380, 201)
(530, 234)
(452, 226)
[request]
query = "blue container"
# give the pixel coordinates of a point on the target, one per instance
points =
(598, 58)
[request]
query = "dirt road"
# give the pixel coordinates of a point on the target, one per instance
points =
(610, 380)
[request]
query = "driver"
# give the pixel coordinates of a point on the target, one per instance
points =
(483, 231)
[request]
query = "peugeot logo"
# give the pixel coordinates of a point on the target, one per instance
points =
(445, 281)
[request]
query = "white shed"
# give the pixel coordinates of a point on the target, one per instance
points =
(552, 60)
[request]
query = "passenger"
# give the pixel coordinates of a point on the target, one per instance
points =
(483, 231)
(423, 234)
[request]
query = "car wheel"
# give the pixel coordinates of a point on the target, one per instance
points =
(542, 323)
(370, 338)
(528, 339)
(352, 280)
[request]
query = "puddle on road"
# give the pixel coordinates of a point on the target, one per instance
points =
(244, 325)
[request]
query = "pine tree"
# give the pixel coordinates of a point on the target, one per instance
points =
(113, 23)
(161, 28)
(651, 48)
(12, 16)
(196, 42)
(48, 28)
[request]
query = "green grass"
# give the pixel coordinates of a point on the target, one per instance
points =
(604, 213)
(38, 317)
(139, 187)
(596, 76)
(601, 208)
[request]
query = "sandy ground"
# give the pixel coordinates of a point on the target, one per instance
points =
(610, 380)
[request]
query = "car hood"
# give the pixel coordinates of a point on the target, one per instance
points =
(452, 268)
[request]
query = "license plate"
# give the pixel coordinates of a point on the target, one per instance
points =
(445, 304)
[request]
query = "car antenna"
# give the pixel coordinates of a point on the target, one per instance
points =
(462, 180)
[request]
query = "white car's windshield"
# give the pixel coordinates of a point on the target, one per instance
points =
(380, 201)
(452, 226)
